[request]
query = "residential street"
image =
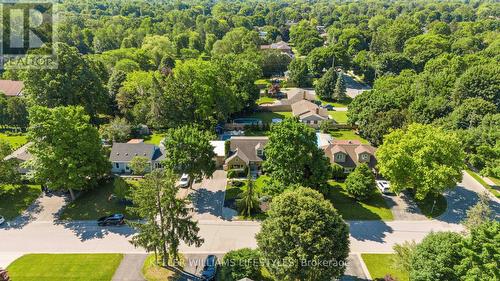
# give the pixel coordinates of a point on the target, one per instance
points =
(40, 233)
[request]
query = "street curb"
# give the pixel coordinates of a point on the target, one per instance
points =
(363, 266)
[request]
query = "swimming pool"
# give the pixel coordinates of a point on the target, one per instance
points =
(248, 121)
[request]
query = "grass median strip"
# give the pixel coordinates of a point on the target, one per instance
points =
(63, 267)
(380, 265)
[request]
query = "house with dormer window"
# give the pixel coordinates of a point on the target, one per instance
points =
(246, 152)
(350, 153)
(123, 153)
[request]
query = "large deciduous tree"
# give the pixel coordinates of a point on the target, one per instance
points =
(77, 80)
(188, 150)
(298, 72)
(67, 150)
(301, 233)
(435, 257)
(167, 217)
(481, 81)
(423, 158)
(118, 130)
(293, 156)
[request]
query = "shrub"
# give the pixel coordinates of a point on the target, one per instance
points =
(237, 173)
(360, 184)
(238, 264)
(338, 172)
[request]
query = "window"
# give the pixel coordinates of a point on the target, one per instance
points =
(315, 121)
(260, 152)
(348, 170)
(127, 168)
(365, 156)
(117, 165)
(339, 156)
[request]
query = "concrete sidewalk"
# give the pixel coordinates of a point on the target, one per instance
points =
(130, 268)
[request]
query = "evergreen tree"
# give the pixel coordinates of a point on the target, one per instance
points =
(248, 202)
(340, 92)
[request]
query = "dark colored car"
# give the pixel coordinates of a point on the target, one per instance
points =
(210, 268)
(328, 107)
(115, 219)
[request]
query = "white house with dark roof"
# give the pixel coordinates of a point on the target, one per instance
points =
(123, 153)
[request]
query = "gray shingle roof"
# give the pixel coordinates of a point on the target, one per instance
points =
(125, 152)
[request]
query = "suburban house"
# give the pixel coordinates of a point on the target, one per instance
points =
(220, 152)
(123, 153)
(310, 113)
(21, 155)
(11, 88)
(246, 152)
(350, 153)
(281, 46)
(293, 95)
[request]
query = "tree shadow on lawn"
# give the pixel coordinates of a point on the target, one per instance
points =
(206, 201)
(459, 200)
(20, 206)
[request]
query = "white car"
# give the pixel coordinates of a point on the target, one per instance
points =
(384, 186)
(2, 220)
(184, 181)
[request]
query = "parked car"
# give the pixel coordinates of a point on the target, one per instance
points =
(210, 269)
(384, 186)
(328, 107)
(115, 219)
(2, 220)
(184, 181)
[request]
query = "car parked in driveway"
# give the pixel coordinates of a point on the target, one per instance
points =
(210, 269)
(184, 181)
(2, 220)
(384, 186)
(112, 220)
(328, 107)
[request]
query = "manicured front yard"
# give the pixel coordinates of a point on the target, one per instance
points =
(426, 206)
(234, 193)
(14, 199)
(94, 204)
(375, 208)
(379, 265)
(494, 190)
(339, 116)
(347, 135)
(63, 267)
(15, 141)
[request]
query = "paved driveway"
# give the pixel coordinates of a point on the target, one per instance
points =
(403, 207)
(208, 198)
(464, 196)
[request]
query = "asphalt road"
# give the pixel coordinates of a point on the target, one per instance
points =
(42, 234)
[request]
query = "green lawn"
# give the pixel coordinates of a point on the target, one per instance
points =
(375, 208)
(153, 272)
(339, 116)
(94, 204)
(155, 138)
(495, 180)
(15, 141)
(379, 265)
(267, 117)
(337, 104)
(426, 206)
(263, 100)
(494, 190)
(347, 135)
(14, 199)
(233, 193)
(63, 267)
